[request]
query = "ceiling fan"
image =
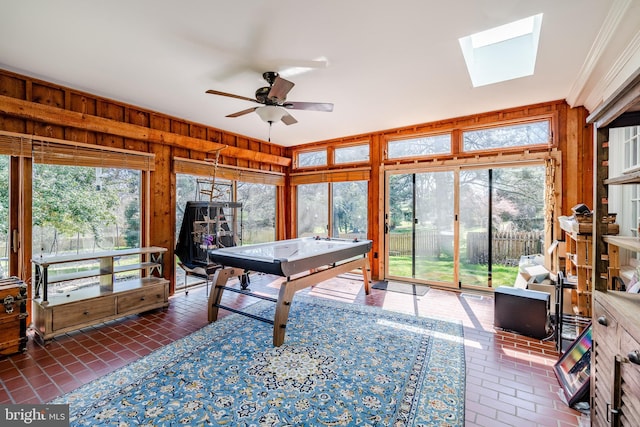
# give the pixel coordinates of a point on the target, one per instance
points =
(274, 101)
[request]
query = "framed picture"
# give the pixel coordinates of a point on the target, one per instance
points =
(574, 367)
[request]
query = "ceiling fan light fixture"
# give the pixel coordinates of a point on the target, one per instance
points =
(271, 113)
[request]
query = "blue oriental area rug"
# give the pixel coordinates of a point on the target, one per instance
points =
(340, 365)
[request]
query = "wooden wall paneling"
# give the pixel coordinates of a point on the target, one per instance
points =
(13, 124)
(375, 206)
(253, 145)
(82, 103)
(214, 135)
(162, 208)
(283, 199)
(586, 137)
(267, 148)
(25, 173)
(135, 145)
(180, 152)
(159, 122)
(242, 143)
(29, 123)
(110, 110)
(157, 133)
(197, 131)
(48, 130)
(139, 118)
(47, 95)
(180, 127)
(291, 216)
(170, 274)
(571, 148)
(577, 158)
(109, 140)
(13, 86)
(79, 135)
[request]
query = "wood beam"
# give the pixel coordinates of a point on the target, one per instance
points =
(47, 114)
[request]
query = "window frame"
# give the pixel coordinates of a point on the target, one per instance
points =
(332, 157)
(325, 150)
(550, 118)
(419, 136)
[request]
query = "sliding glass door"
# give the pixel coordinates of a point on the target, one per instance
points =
(420, 225)
(340, 207)
(501, 219)
(464, 227)
(474, 225)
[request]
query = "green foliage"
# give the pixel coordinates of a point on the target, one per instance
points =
(350, 207)
(4, 194)
(68, 199)
(132, 219)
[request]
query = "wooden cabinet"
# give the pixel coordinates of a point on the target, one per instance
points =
(60, 306)
(13, 316)
(615, 384)
(615, 364)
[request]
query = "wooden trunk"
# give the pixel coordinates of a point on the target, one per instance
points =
(13, 316)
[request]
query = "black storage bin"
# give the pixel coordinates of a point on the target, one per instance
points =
(522, 310)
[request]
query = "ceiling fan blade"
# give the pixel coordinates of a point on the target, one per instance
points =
(243, 112)
(280, 89)
(310, 106)
(230, 95)
(288, 119)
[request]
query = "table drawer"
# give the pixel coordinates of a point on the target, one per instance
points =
(84, 312)
(148, 296)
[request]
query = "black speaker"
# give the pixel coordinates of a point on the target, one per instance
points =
(522, 310)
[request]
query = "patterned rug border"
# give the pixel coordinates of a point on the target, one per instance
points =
(84, 397)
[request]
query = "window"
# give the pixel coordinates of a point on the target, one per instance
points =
(312, 158)
(258, 204)
(351, 154)
(338, 206)
(631, 142)
(421, 146)
(313, 218)
(502, 53)
(349, 209)
(4, 216)
(518, 135)
(624, 199)
(258, 212)
(84, 209)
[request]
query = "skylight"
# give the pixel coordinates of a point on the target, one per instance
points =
(502, 53)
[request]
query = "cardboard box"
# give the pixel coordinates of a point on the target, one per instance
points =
(535, 273)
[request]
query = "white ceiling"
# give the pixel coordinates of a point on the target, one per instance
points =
(391, 63)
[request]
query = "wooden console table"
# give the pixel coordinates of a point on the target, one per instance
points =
(104, 298)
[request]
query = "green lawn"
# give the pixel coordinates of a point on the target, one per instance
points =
(442, 270)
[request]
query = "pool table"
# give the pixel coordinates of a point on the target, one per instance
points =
(303, 262)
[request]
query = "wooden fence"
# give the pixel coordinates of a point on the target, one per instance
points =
(507, 246)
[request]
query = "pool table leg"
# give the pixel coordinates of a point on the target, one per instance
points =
(291, 286)
(366, 269)
(219, 282)
(285, 298)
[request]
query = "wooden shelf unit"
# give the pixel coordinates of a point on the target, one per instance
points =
(615, 359)
(104, 298)
(578, 268)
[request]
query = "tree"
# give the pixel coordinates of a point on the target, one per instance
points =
(68, 199)
(132, 230)
(4, 195)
